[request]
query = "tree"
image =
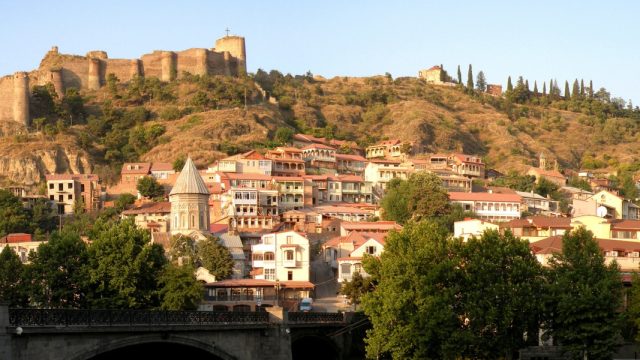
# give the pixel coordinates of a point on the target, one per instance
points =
(421, 196)
(43, 216)
(215, 257)
(414, 309)
(509, 85)
(123, 201)
(178, 163)
(481, 82)
(470, 79)
(179, 289)
(502, 268)
(545, 187)
(14, 217)
(590, 89)
(58, 272)
(124, 267)
(544, 89)
(459, 76)
(182, 250)
(356, 288)
(12, 279)
(535, 88)
(575, 93)
(72, 105)
(149, 187)
(283, 135)
(566, 93)
(585, 295)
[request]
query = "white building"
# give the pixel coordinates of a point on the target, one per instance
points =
(472, 227)
(282, 256)
(490, 206)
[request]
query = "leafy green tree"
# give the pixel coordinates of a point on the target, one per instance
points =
(178, 163)
(515, 181)
(112, 84)
(215, 257)
(579, 183)
(124, 267)
(470, 79)
(123, 201)
(14, 218)
(545, 187)
(419, 197)
(414, 309)
(73, 106)
(499, 267)
(509, 84)
(12, 279)
(182, 250)
(356, 288)
(459, 76)
(179, 289)
(582, 88)
(283, 135)
(481, 82)
(43, 216)
(58, 272)
(544, 89)
(585, 298)
(149, 187)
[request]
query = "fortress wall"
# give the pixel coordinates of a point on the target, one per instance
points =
(151, 64)
(215, 63)
(121, 68)
(6, 98)
(193, 61)
(75, 73)
(235, 46)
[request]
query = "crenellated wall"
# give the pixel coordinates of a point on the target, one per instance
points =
(91, 71)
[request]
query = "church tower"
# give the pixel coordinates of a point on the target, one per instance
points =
(543, 161)
(189, 200)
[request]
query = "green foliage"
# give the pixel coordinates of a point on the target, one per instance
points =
(171, 113)
(58, 272)
(124, 267)
(178, 163)
(13, 281)
(179, 288)
(470, 79)
(421, 196)
(182, 250)
(356, 288)
(585, 296)
(123, 201)
(439, 298)
(283, 135)
(515, 181)
(14, 218)
(579, 183)
(481, 82)
(112, 84)
(149, 187)
(545, 187)
(215, 257)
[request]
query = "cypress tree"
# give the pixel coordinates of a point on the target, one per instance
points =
(552, 91)
(544, 88)
(509, 85)
(526, 85)
(590, 89)
(582, 87)
(470, 78)
(459, 76)
(576, 89)
(566, 90)
(535, 88)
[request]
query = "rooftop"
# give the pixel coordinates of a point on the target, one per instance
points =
(189, 181)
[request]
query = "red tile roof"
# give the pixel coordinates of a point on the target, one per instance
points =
(288, 178)
(350, 157)
(625, 224)
(318, 146)
(553, 244)
(162, 207)
(78, 177)
(247, 176)
(368, 225)
(161, 166)
(231, 283)
(484, 196)
(15, 238)
(218, 228)
(144, 168)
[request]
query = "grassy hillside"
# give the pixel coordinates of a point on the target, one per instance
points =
(210, 117)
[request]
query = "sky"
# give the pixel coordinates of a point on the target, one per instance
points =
(539, 40)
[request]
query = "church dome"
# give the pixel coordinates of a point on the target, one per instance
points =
(189, 181)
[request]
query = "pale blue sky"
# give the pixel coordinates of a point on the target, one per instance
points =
(540, 40)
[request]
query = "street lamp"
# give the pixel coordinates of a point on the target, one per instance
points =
(277, 286)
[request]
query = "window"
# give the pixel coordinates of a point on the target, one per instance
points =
(289, 239)
(69, 185)
(258, 257)
(269, 274)
(51, 197)
(288, 255)
(51, 186)
(289, 275)
(268, 256)
(346, 269)
(371, 250)
(60, 187)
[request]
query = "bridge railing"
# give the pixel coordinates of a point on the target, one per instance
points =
(79, 317)
(314, 317)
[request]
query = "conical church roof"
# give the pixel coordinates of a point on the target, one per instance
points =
(189, 181)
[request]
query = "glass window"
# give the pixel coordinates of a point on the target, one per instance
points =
(269, 256)
(289, 255)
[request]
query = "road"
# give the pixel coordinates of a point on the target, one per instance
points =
(327, 288)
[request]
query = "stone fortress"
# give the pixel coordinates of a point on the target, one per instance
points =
(90, 71)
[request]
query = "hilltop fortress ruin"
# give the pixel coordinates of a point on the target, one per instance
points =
(90, 71)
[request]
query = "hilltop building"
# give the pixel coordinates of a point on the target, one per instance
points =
(189, 200)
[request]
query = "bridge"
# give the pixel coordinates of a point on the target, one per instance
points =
(52, 334)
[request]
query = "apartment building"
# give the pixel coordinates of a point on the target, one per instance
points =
(67, 190)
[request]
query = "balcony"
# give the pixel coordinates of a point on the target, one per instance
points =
(265, 264)
(290, 263)
(262, 248)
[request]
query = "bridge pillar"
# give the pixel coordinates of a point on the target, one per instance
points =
(6, 351)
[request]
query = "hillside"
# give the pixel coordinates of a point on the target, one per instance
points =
(205, 117)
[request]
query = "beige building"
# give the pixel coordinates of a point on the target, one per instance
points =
(607, 205)
(251, 162)
(469, 228)
(153, 216)
(282, 256)
(68, 189)
(432, 75)
(380, 172)
(345, 253)
(389, 149)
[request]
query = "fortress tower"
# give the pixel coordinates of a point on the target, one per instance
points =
(189, 203)
(21, 98)
(235, 46)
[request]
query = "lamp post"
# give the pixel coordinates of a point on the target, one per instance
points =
(277, 286)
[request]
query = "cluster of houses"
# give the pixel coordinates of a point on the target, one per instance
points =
(278, 210)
